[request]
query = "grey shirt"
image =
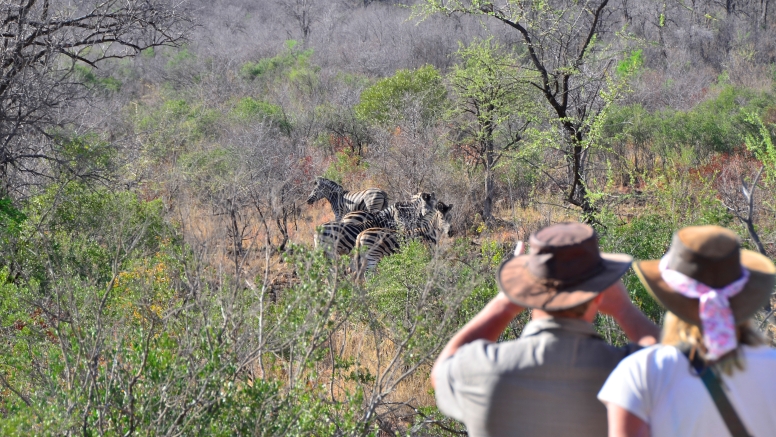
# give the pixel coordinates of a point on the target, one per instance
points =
(543, 384)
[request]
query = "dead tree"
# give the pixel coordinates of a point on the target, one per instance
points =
(742, 206)
(745, 210)
(46, 44)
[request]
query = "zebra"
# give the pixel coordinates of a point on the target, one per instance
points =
(341, 235)
(343, 201)
(375, 243)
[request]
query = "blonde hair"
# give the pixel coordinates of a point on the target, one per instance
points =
(677, 332)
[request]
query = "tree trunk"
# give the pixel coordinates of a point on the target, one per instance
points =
(763, 14)
(577, 194)
(487, 204)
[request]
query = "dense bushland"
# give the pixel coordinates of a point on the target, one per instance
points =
(157, 275)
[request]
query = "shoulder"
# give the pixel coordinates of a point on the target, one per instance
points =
(760, 359)
(635, 370)
(763, 353)
(480, 351)
(485, 357)
(658, 355)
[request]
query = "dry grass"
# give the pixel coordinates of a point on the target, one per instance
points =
(370, 352)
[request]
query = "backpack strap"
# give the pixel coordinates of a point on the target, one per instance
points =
(713, 384)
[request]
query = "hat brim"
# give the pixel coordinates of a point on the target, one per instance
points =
(755, 294)
(523, 288)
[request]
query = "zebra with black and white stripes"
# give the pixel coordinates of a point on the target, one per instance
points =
(340, 236)
(343, 201)
(375, 243)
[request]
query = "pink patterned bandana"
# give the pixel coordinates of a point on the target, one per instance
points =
(719, 329)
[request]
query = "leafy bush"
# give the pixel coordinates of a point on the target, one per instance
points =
(249, 109)
(387, 101)
(292, 63)
(715, 125)
(113, 327)
(631, 64)
(173, 125)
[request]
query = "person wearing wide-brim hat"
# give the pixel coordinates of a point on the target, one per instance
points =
(545, 382)
(712, 373)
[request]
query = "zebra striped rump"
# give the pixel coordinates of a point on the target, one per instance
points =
(375, 243)
(340, 236)
(372, 245)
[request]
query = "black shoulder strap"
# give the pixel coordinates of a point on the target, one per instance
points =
(714, 386)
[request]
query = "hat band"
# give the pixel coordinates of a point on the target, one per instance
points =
(561, 283)
(719, 329)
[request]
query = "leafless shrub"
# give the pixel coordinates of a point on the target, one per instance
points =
(45, 45)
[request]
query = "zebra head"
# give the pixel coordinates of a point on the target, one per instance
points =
(408, 215)
(322, 189)
(442, 219)
(424, 202)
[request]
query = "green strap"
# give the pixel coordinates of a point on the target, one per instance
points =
(714, 387)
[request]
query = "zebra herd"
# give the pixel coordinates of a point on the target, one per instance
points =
(364, 220)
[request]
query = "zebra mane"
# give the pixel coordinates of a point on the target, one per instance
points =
(329, 185)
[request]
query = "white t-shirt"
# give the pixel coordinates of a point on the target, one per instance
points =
(658, 385)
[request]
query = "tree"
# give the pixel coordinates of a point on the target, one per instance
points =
(305, 12)
(561, 42)
(46, 45)
(493, 106)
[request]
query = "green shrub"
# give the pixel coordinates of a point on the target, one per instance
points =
(631, 64)
(718, 124)
(385, 102)
(291, 62)
(174, 125)
(180, 58)
(87, 76)
(344, 164)
(249, 109)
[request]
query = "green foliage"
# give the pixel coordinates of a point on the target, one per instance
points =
(344, 164)
(180, 59)
(401, 279)
(644, 237)
(491, 96)
(10, 217)
(760, 143)
(87, 76)
(415, 274)
(631, 64)
(386, 102)
(175, 124)
(89, 231)
(719, 124)
(86, 154)
(292, 63)
(209, 169)
(249, 109)
(123, 351)
(681, 198)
